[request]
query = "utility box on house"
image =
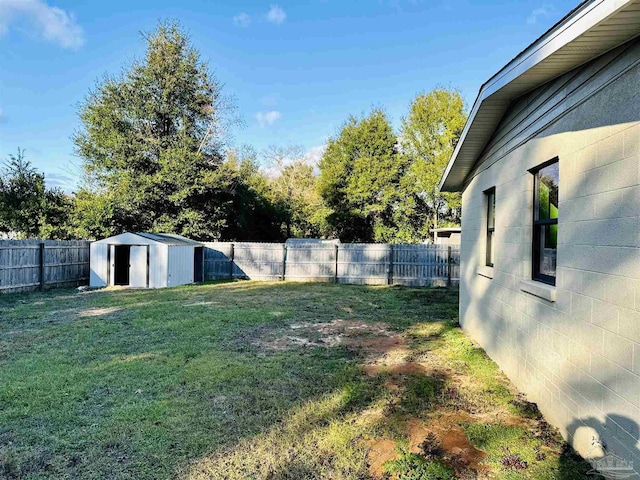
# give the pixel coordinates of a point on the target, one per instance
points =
(146, 260)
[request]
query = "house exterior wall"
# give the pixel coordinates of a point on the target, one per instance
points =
(578, 357)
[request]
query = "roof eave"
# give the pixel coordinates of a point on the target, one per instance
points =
(570, 29)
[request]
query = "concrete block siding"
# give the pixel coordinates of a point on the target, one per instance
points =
(579, 356)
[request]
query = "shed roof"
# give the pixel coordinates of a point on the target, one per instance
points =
(594, 27)
(146, 238)
(168, 238)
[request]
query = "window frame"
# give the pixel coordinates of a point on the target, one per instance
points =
(538, 225)
(490, 230)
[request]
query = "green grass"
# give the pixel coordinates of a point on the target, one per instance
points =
(510, 448)
(177, 383)
(414, 466)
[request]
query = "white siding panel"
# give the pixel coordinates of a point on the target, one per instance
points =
(180, 265)
(112, 264)
(138, 266)
(99, 265)
(158, 266)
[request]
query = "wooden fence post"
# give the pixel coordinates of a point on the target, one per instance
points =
(335, 272)
(448, 265)
(284, 262)
(232, 255)
(390, 272)
(42, 265)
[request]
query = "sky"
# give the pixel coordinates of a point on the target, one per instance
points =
(296, 70)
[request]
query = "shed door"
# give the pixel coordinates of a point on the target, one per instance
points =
(99, 257)
(138, 267)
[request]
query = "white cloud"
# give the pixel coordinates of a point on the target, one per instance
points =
(314, 155)
(266, 119)
(52, 23)
(276, 15)
(541, 12)
(242, 20)
(58, 180)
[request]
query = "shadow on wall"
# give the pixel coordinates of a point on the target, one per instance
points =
(603, 455)
(587, 344)
(218, 264)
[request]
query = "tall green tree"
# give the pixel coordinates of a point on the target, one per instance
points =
(151, 144)
(428, 136)
(252, 214)
(360, 172)
(27, 208)
(294, 191)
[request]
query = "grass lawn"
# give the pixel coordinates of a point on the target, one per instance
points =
(259, 380)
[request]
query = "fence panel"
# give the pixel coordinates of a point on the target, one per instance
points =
(364, 263)
(31, 264)
(371, 264)
(311, 263)
(419, 265)
(218, 260)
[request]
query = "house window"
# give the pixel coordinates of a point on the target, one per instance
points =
(491, 224)
(545, 221)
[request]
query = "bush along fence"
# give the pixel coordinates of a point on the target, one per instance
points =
(370, 264)
(36, 264)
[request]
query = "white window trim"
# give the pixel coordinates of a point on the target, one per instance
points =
(485, 271)
(539, 289)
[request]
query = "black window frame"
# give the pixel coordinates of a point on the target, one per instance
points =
(490, 194)
(538, 225)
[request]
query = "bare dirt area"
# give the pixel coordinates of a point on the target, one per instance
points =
(388, 353)
(430, 400)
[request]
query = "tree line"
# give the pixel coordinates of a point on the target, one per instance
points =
(153, 153)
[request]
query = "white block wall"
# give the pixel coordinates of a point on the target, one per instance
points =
(577, 357)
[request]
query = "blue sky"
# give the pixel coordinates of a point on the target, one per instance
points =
(296, 69)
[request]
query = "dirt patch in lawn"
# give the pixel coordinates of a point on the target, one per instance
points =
(450, 440)
(387, 353)
(442, 438)
(99, 312)
(371, 337)
(432, 392)
(381, 451)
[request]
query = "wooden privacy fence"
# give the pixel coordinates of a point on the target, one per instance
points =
(358, 263)
(32, 264)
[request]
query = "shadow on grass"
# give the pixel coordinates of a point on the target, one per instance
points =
(137, 383)
(154, 384)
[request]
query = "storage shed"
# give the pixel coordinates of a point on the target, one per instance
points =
(146, 260)
(446, 235)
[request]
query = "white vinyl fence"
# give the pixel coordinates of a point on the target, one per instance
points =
(32, 264)
(357, 263)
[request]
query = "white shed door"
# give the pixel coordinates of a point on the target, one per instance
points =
(138, 267)
(99, 265)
